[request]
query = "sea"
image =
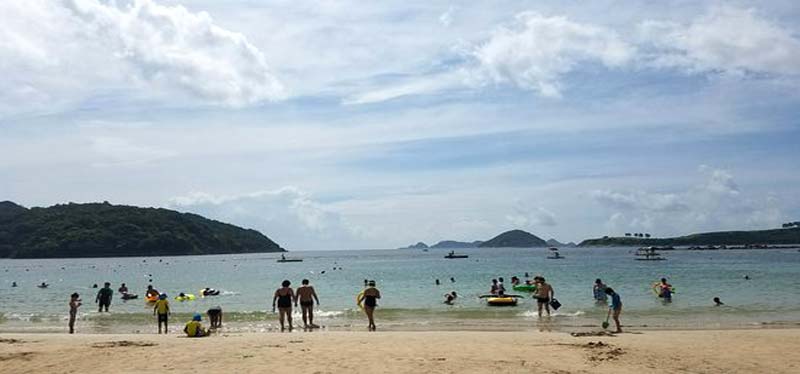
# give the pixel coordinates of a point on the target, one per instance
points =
(411, 298)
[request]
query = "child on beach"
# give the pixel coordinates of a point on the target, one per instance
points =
(616, 307)
(74, 303)
(194, 329)
(162, 309)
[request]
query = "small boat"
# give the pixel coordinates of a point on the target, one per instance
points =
(452, 255)
(129, 296)
(648, 254)
(555, 255)
(290, 260)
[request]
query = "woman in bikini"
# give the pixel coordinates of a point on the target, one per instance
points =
(370, 298)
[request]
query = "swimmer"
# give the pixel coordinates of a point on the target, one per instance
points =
(123, 289)
(437, 281)
(13, 284)
(450, 297)
(665, 290)
(718, 302)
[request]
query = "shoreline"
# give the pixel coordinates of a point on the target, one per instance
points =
(708, 351)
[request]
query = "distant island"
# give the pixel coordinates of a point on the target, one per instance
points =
(787, 235)
(105, 230)
(513, 238)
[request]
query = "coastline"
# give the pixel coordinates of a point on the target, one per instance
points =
(708, 351)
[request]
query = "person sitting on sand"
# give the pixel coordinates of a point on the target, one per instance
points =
(370, 298)
(162, 309)
(449, 298)
(616, 307)
(718, 302)
(74, 304)
(599, 291)
(544, 293)
(194, 329)
(215, 316)
(284, 297)
(306, 296)
(104, 296)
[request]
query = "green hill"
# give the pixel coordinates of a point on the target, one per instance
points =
(105, 230)
(772, 237)
(514, 239)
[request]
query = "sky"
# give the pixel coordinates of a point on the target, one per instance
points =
(360, 125)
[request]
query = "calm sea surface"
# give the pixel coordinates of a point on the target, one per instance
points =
(411, 300)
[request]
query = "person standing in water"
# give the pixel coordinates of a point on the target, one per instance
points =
(665, 290)
(103, 298)
(544, 293)
(284, 297)
(162, 309)
(306, 296)
(370, 298)
(74, 304)
(616, 307)
(599, 291)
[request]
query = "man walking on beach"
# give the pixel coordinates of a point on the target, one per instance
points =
(306, 296)
(103, 298)
(544, 293)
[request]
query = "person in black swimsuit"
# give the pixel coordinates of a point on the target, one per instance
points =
(284, 297)
(370, 298)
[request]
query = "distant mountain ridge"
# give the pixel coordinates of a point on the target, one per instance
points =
(513, 238)
(772, 237)
(105, 230)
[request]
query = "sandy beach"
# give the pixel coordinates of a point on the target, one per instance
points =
(709, 351)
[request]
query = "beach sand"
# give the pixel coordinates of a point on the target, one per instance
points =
(697, 351)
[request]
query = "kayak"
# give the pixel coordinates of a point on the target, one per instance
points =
(130, 296)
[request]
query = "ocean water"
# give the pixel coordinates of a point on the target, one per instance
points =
(411, 300)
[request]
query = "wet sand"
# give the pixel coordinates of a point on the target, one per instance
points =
(696, 351)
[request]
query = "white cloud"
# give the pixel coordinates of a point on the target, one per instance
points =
(446, 19)
(726, 39)
(714, 204)
(535, 51)
(287, 215)
(118, 151)
(56, 53)
(531, 217)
